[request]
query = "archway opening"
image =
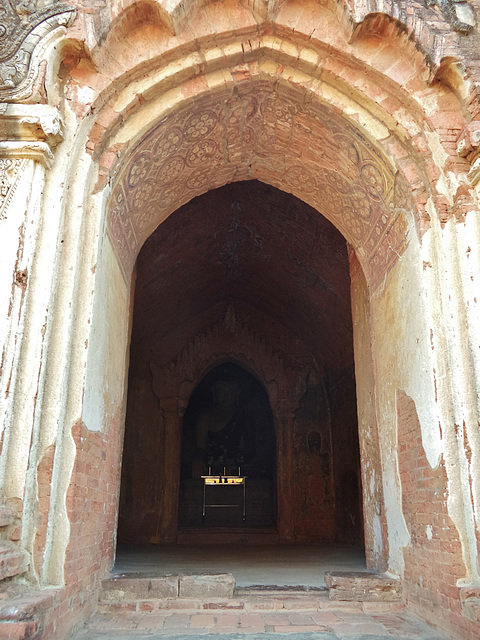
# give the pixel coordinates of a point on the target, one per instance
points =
(253, 277)
(228, 430)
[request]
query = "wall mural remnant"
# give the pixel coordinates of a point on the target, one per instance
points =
(307, 150)
(314, 493)
(23, 23)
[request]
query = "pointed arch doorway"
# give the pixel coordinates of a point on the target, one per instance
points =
(250, 277)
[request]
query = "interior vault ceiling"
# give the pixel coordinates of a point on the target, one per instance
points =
(254, 246)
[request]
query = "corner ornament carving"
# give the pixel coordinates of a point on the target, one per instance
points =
(10, 171)
(23, 25)
(458, 13)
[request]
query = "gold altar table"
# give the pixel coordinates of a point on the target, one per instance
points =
(212, 482)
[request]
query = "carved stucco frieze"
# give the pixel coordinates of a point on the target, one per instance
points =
(10, 171)
(231, 339)
(27, 132)
(458, 13)
(189, 153)
(23, 25)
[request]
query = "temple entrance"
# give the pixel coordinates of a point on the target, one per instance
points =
(241, 363)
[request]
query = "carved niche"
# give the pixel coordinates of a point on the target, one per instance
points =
(23, 26)
(232, 340)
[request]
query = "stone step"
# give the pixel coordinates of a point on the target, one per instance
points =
(133, 594)
(123, 587)
(356, 586)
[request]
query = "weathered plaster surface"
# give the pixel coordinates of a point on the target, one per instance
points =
(452, 295)
(401, 356)
(18, 234)
(367, 422)
(414, 319)
(67, 330)
(107, 344)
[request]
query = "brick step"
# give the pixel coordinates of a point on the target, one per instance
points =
(257, 604)
(195, 593)
(363, 586)
(22, 611)
(13, 561)
(20, 630)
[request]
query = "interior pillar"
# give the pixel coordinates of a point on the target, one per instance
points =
(168, 508)
(284, 421)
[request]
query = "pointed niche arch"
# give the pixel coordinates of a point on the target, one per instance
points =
(230, 340)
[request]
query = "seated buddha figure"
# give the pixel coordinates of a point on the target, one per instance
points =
(221, 431)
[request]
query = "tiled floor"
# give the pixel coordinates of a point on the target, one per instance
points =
(332, 624)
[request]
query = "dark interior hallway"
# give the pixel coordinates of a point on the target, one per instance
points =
(242, 356)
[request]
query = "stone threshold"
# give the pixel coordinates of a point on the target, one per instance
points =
(130, 592)
(269, 589)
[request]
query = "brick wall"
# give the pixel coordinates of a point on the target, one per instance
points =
(91, 506)
(433, 559)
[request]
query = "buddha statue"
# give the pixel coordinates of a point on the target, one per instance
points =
(221, 431)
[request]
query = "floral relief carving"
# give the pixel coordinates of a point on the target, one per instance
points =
(201, 152)
(340, 173)
(200, 125)
(167, 144)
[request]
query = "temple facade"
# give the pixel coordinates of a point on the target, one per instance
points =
(239, 234)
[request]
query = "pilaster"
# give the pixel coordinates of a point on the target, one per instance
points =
(172, 411)
(284, 417)
(29, 135)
